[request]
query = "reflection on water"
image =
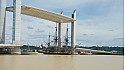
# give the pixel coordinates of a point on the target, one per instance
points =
(61, 62)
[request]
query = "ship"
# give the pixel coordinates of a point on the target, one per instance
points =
(55, 50)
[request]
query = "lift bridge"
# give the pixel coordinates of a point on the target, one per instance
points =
(17, 10)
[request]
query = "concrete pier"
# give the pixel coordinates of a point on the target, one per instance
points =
(60, 34)
(2, 20)
(16, 21)
(73, 31)
(10, 49)
(16, 50)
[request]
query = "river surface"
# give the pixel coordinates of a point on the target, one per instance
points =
(61, 62)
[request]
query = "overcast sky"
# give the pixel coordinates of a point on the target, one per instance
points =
(99, 22)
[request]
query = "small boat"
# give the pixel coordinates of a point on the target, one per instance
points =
(85, 53)
(40, 51)
(29, 52)
(15, 53)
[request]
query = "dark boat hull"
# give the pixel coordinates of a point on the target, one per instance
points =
(57, 53)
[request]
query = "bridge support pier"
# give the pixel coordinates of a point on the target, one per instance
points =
(16, 22)
(16, 50)
(2, 20)
(59, 34)
(73, 31)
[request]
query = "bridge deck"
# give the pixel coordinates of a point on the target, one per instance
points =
(9, 46)
(40, 13)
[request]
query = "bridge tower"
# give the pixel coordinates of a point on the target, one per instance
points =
(73, 25)
(2, 20)
(16, 21)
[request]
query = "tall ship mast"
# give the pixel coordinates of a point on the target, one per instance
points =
(49, 41)
(54, 50)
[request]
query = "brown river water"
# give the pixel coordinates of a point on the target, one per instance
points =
(61, 62)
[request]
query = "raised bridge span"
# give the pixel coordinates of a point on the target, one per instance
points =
(92, 51)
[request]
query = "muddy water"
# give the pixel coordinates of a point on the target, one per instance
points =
(61, 62)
